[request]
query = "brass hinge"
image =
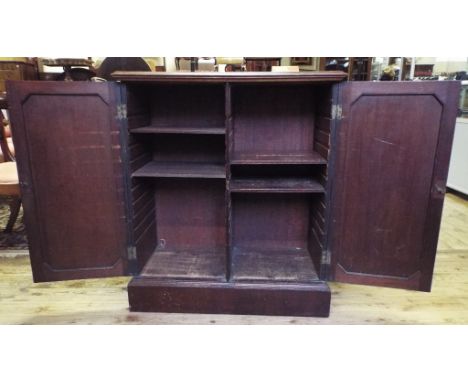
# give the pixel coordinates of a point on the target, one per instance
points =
(121, 111)
(131, 253)
(336, 112)
(326, 258)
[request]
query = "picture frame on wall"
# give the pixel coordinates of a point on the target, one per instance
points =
(301, 60)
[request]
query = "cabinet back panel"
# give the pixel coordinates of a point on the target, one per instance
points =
(190, 106)
(186, 148)
(324, 100)
(273, 120)
(190, 213)
(270, 221)
(137, 101)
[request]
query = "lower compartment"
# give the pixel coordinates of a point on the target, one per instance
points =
(252, 253)
(150, 294)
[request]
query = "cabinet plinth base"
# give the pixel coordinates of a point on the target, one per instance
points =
(148, 294)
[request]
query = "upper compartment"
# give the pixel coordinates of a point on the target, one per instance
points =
(201, 103)
(273, 124)
(183, 109)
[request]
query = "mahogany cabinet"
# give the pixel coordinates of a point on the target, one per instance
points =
(234, 192)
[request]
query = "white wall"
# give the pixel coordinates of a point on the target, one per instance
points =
(170, 64)
(444, 64)
(450, 64)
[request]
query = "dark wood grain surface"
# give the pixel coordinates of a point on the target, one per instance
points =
(189, 264)
(208, 149)
(190, 214)
(147, 294)
(269, 264)
(270, 221)
(273, 123)
(388, 166)
(325, 123)
(70, 169)
(197, 105)
(142, 235)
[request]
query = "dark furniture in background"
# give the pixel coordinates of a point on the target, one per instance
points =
(234, 192)
(74, 69)
(261, 64)
(16, 70)
(358, 68)
(112, 64)
(9, 183)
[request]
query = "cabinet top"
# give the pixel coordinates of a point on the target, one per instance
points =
(222, 77)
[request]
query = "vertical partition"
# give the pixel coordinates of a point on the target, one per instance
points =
(228, 145)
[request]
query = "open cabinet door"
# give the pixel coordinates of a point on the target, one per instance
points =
(392, 147)
(68, 150)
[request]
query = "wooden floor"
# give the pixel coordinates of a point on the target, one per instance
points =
(104, 301)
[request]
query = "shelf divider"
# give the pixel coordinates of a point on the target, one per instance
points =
(228, 148)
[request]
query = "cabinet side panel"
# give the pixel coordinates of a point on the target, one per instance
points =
(319, 216)
(142, 212)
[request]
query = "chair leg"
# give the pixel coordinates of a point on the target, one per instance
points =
(15, 206)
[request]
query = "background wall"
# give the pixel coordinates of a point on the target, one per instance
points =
(441, 64)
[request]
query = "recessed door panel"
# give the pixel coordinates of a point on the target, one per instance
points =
(391, 158)
(70, 168)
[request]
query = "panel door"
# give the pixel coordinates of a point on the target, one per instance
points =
(67, 140)
(391, 152)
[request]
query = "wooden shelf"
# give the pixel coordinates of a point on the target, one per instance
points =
(178, 130)
(190, 264)
(278, 158)
(180, 170)
(275, 185)
(272, 264)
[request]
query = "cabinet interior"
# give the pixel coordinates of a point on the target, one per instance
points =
(229, 181)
